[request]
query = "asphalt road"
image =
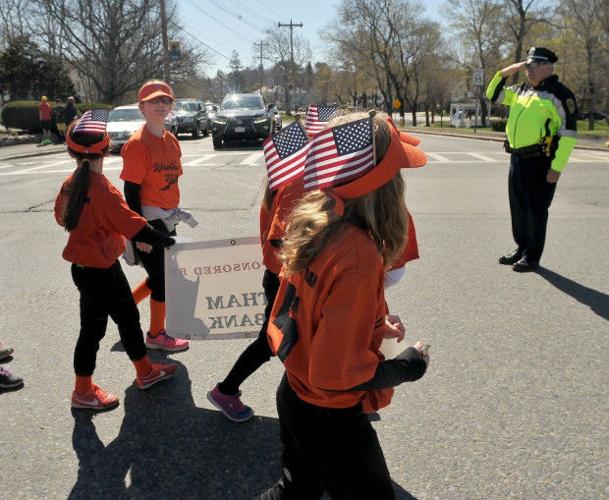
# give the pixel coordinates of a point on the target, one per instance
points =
(515, 403)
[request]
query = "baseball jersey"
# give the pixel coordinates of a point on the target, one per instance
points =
(97, 240)
(328, 322)
(154, 164)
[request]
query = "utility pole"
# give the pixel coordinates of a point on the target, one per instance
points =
(291, 26)
(165, 43)
(260, 70)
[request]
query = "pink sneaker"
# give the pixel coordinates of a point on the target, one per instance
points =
(94, 399)
(165, 342)
(159, 372)
(231, 406)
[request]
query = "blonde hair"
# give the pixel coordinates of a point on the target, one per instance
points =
(383, 213)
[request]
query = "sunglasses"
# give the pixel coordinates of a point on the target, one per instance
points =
(161, 100)
(534, 64)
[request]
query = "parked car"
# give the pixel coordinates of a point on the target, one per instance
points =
(188, 116)
(276, 118)
(242, 117)
(123, 122)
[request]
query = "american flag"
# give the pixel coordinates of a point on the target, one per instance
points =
(284, 154)
(317, 117)
(339, 154)
(93, 122)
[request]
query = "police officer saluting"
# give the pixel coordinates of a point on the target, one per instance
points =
(541, 132)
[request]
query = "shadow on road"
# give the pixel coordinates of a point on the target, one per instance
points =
(595, 300)
(169, 448)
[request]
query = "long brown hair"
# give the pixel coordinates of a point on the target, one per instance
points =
(79, 185)
(383, 213)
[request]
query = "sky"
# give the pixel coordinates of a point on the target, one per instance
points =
(227, 25)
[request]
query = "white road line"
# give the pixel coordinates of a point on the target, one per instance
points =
(438, 157)
(200, 159)
(483, 157)
(252, 159)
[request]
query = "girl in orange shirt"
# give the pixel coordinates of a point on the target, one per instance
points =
(328, 322)
(97, 218)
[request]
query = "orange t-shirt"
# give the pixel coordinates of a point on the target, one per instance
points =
(97, 240)
(273, 224)
(411, 252)
(327, 324)
(153, 163)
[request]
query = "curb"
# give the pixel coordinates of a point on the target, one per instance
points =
(489, 138)
(31, 155)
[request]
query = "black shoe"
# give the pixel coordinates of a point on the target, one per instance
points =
(524, 266)
(510, 258)
(9, 380)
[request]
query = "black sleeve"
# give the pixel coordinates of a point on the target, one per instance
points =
(132, 196)
(393, 372)
(150, 235)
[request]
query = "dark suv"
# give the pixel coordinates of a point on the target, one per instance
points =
(241, 117)
(188, 116)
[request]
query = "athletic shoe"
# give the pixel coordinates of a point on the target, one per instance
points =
(5, 351)
(165, 342)
(94, 399)
(9, 380)
(159, 372)
(231, 406)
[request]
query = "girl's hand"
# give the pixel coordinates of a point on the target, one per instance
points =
(423, 349)
(394, 328)
(143, 247)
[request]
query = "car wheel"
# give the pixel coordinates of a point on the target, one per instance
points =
(217, 142)
(206, 132)
(195, 131)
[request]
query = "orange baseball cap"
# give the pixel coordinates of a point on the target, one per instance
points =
(400, 154)
(99, 147)
(151, 90)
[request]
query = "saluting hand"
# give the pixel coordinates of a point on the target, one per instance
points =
(512, 68)
(143, 247)
(552, 176)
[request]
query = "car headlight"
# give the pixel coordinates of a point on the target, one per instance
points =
(262, 119)
(220, 121)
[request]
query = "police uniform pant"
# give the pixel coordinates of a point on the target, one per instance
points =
(328, 449)
(103, 293)
(154, 263)
(530, 198)
(259, 351)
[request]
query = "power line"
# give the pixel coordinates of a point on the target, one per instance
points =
(253, 12)
(216, 19)
(201, 41)
(237, 16)
(268, 8)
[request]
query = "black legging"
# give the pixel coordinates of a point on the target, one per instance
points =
(259, 351)
(154, 263)
(103, 293)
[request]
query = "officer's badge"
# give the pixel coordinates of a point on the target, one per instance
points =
(571, 105)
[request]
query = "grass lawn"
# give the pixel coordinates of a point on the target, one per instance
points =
(601, 129)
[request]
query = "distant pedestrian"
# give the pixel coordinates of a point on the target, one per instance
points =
(44, 115)
(59, 117)
(97, 218)
(541, 131)
(70, 112)
(8, 380)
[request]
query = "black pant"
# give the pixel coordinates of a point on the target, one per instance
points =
(154, 263)
(530, 198)
(105, 292)
(324, 449)
(259, 351)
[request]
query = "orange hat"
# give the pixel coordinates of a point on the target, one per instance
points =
(400, 154)
(99, 147)
(413, 141)
(151, 90)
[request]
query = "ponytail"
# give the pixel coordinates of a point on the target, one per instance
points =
(77, 195)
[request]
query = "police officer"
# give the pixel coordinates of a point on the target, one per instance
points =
(541, 132)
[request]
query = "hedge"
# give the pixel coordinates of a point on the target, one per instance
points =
(24, 114)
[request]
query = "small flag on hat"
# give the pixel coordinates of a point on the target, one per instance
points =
(339, 154)
(284, 154)
(317, 117)
(93, 121)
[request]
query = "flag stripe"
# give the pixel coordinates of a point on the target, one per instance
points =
(336, 164)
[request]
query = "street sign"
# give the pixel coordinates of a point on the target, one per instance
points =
(478, 77)
(396, 103)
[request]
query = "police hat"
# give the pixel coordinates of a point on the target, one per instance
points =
(541, 54)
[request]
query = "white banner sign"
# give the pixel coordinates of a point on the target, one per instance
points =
(213, 289)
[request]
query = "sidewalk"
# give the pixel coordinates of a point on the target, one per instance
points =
(582, 142)
(27, 150)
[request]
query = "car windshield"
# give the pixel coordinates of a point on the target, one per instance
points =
(242, 102)
(125, 115)
(186, 106)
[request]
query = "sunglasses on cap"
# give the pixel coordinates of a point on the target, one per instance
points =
(535, 64)
(161, 100)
